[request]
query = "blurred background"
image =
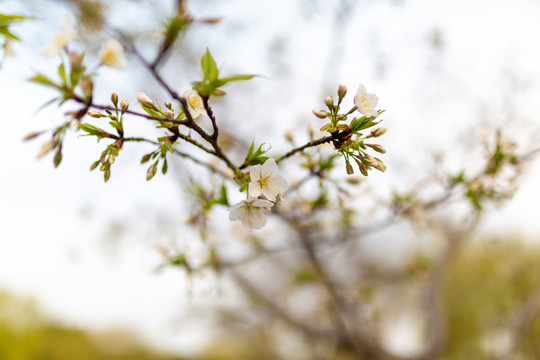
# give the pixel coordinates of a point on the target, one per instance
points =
(82, 262)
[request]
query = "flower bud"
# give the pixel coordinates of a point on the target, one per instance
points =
(362, 167)
(342, 90)
(145, 100)
(349, 168)
(114, 99)
(124, 105)
(329, 101)
(95, 114)
(168, 105)
(48, 146)
(169, 115)
(378, 131)
(321, 114)
(289, 136)
(378, 148)
(379, 165)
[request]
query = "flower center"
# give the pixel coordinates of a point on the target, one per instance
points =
(265, 180)
(194, 101)
(365, 101)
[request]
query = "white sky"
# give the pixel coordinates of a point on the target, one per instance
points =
(487, 69)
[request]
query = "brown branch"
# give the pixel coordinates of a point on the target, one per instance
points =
(317, 142)
(180, 153)
(210, 114)
(189, 122)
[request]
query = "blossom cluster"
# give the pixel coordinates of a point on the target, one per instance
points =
(263, 190)
(348, 138)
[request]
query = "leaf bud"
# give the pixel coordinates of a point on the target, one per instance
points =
(145, 100)
(321, 114)
(329, 101)
(124, 105)
(114, 99)
(342, 90)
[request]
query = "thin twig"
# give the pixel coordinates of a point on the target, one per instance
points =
(317, 142)
(180, 153)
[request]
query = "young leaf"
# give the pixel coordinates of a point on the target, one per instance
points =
(43, 80)
(209, 67)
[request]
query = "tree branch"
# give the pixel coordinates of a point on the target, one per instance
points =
(317, 142)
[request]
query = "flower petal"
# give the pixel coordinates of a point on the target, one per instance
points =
(254, 188)
(247, 222)
(280, 184)
(262, 203)
(258, 219)
(372, 99)
(269, 166)
(270, 193)
(255, 172)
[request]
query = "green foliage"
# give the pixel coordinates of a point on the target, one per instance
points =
(485, 287)
(255, 157)
(211, 82)
(25, 334)
(6, 20)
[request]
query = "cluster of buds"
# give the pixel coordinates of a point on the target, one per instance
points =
(346, 136)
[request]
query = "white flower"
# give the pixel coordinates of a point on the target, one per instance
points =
(266, 181)
(365, 102)
(112, 54)
(250, 212)
(195, 103)
(61, 38)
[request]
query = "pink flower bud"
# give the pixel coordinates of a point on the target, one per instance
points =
(321, 114)
(342, 90)
(145, 100)
(124, 105)
(95, 114)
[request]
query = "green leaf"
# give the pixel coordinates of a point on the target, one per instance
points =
(62, 73)
(222, 200)
(174, 27)
(43, 80)
(223, 81)
(362, 123)
(255, 156)
(209, 67)
(8, 19)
